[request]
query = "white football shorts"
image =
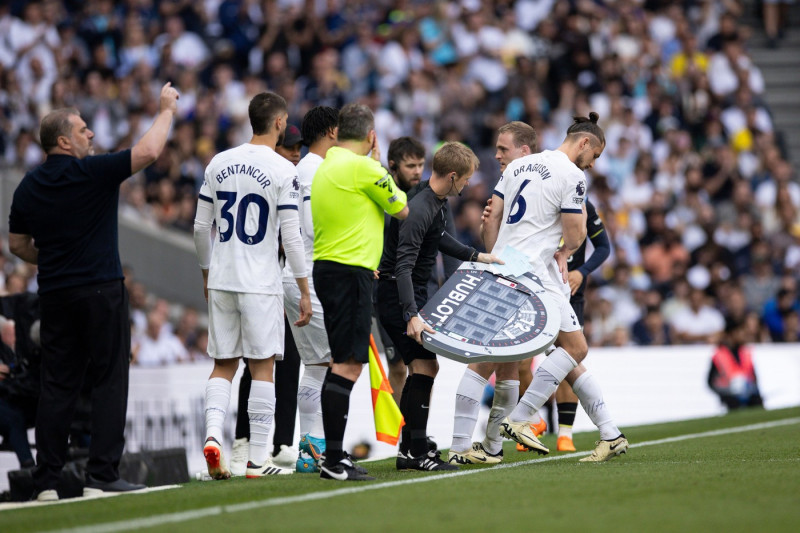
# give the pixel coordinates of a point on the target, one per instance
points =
(560, 291)
(244, 324)
(311, 339)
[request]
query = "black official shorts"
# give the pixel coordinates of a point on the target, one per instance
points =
(390, 315)
(392, 355)
(345, 293)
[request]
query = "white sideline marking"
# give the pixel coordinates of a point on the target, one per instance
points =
(28, 505)
(185, 516)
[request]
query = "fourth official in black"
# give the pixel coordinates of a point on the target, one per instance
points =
(409, 254)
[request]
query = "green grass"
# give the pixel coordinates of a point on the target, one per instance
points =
(743, 481)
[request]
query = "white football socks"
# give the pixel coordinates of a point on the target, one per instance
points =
(218, 396)
(261, 410)
(591, 397)
(309, 406)
(506, 395)
(468, 406)
(548, 375)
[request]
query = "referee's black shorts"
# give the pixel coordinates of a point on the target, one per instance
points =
(345, 293)
(390, 315)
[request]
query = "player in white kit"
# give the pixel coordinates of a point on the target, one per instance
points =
(538, 201)
(514, 140)
(252, 193)
(319, 131)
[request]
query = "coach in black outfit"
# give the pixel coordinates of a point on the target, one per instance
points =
(64, 218)
(409, 254)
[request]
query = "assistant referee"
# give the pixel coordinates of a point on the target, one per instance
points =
(349, 195)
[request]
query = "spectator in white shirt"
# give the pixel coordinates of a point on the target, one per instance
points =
(729, 66)
(158, 346)
(699, 323)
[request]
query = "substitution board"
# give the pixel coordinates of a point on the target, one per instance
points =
(482, 316)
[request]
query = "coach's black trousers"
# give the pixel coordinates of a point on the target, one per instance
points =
(85, 333)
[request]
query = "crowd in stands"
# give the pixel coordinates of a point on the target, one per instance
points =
(695, 188)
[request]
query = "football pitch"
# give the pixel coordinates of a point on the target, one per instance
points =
(739, 472)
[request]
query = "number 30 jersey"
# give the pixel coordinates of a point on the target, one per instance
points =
(248, 185)
(535, 190)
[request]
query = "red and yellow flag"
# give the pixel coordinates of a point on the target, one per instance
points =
(388, 418)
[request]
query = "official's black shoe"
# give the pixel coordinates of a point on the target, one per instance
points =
(429, 462)
(403, 461)
(359, 469)
(344, 470)
(432, 446)
(353, 463)
(96, 488)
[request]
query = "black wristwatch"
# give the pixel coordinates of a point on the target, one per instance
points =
(408, 316)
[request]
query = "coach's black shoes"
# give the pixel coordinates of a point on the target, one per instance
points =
(344, 470)
(49, 495)
(428, 462)
(97, 488)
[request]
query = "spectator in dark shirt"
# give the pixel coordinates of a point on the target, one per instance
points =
(651, 329)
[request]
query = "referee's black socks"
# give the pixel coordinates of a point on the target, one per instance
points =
(335, 405)
(417, 405)
(405, 433)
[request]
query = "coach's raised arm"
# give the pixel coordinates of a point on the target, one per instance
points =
(150, 146)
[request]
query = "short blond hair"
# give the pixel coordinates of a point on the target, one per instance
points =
(455, 157)
(521, 134)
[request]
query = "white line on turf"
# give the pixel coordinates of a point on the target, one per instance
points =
(28, 505)
(185, 516)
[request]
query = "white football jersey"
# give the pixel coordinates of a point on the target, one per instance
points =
(535, 190)
(248, 185)
(306, 169)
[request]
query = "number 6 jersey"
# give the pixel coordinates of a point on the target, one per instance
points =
(535, 190)
(248, 186)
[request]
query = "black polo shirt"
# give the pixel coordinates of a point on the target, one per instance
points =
(410, 247)
(69, 207)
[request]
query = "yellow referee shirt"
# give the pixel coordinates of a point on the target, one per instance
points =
(349, 194)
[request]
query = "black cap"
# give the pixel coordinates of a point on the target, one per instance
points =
(292, 136)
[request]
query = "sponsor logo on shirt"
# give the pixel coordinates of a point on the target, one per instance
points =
(385, 183)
